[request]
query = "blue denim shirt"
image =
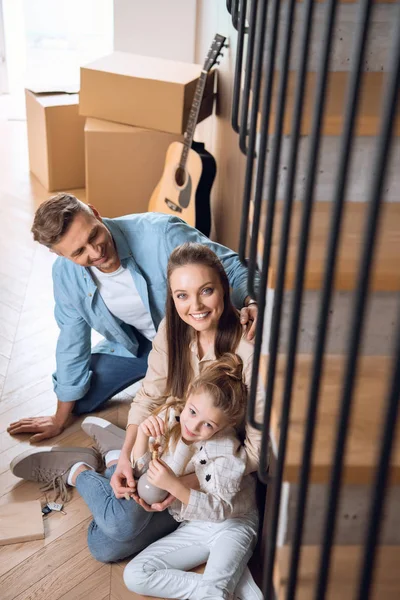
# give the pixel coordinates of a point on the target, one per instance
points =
(144, 243)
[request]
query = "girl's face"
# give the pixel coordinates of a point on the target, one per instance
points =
(200, 419)
(198, 296)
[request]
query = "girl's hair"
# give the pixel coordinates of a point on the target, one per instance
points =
(180, 334)
(222, 380)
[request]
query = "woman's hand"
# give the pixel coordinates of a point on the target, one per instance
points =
(160, 475)
(157, 507)
(153, 426)
(122, 481)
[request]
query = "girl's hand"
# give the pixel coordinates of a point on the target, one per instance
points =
(153, 426)
(160, 475)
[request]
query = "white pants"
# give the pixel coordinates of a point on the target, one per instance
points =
(160, 570)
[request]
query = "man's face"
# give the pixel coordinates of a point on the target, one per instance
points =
(89, 243)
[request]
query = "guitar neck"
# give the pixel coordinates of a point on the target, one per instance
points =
(193, 117)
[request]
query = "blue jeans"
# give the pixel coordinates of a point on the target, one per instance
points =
(119, 528)
(111, 375)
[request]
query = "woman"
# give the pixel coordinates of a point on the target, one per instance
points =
(201, 325)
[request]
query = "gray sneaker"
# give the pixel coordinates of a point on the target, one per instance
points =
(51, 466)
(106, 435)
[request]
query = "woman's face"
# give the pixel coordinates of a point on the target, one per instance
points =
(200, 419)
(198, 296)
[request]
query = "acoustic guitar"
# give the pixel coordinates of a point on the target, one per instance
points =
(184, 188)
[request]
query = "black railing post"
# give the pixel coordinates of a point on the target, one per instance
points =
(252, 265)
(259, 51)
(237, 83)
(248, 78)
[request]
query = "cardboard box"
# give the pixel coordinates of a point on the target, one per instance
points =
(142, 91)
(123, 165)
(21, 522)
(56, 139)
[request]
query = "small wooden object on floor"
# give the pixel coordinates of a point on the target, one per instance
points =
(21, 522)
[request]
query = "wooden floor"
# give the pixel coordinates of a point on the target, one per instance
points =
(60, 566)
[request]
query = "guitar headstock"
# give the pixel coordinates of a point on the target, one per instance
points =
(214, 52)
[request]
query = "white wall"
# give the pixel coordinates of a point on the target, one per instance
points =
(217, 133)
(164, 28)
(3, 69)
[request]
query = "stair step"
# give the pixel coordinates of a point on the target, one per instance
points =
(386, 275)
(364, 429)
(344, 573)
(370, 108)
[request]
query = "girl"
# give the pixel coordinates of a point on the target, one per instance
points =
(218, 521)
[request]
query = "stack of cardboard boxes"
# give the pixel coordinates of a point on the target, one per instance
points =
(113, 136)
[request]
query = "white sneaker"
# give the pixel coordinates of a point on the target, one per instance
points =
(247, 589)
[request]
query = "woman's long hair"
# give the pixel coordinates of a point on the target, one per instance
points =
(180, 334)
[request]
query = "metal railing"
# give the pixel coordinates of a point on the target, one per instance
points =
(266, 81)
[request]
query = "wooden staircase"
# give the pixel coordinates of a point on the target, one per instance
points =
(366, 423)
(386, 275)
(370, 392)
(344, 570)
(369, 112)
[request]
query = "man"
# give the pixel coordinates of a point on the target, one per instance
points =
(111, 277)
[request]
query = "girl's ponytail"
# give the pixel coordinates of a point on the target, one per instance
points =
(232, 364)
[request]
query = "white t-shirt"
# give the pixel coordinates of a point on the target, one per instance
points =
(122, 299)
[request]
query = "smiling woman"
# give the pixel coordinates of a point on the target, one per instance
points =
(199, 301)
(201, 325)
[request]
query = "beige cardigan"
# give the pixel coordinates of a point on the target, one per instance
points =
(152, 393)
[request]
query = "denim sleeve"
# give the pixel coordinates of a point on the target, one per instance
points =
(179, 232)
(72, 377)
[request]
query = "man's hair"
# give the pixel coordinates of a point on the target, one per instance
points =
(54, 217)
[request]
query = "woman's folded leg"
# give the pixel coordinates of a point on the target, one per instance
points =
(120, 527)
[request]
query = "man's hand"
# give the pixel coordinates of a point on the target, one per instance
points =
(122, 481)
(248, 320)
(43, 427)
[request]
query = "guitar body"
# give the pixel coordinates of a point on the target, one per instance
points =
(209, 170)
(175, 198)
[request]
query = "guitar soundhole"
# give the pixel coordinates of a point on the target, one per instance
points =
(180, 176)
